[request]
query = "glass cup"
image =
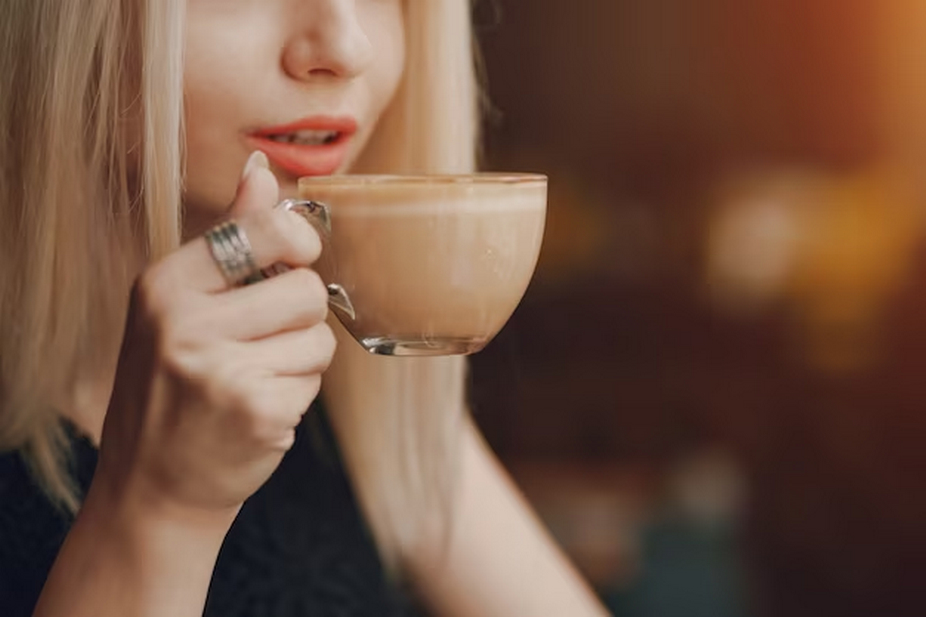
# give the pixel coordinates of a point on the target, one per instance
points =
(425, 265)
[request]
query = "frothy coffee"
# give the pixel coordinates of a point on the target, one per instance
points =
(431, 264)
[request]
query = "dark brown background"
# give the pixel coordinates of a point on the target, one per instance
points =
(645, 373)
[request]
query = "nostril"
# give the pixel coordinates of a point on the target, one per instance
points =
(334, 45)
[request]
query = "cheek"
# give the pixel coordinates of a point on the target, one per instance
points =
(213, 158)
(209, 179)
(218, 60)
(387, 35)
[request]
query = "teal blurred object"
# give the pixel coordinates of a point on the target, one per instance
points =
(689, 569)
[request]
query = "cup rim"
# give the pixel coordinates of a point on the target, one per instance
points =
(478, 178)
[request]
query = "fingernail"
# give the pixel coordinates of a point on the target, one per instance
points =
(257, 160)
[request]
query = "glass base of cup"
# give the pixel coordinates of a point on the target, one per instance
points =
(389, 346)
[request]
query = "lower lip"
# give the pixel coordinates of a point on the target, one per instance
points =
(301, 160)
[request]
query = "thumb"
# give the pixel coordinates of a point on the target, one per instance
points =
(258, 188)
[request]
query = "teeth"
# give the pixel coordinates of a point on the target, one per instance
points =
(306, 138)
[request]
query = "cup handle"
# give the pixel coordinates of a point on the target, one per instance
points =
(319, 216)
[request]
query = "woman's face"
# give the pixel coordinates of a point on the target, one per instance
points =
(305, 81)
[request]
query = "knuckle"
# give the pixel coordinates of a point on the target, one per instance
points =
(314, 286)
(171, 346)
(160, 298)
(257, 412)
(179, 352)
(286, 442)
(311, 387)
(180, 332)
(311, 295)
(243, 399)
(149, 295)
(327, 342)
(322, 344)
(307, 279)
(156, 318)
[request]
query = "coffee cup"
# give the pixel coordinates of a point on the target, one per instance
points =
(425, 265)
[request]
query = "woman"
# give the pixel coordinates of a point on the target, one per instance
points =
(126, 124)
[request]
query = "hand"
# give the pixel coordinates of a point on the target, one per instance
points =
(212, 381)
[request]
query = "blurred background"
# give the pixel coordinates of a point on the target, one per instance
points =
(714, 391)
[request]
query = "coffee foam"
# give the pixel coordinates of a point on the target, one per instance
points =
(449, 206)
(397, 201)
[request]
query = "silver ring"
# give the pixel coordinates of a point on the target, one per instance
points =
(232, 253)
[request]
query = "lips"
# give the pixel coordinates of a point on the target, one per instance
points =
(315, 146)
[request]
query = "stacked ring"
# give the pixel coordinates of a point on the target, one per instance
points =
(232, 253)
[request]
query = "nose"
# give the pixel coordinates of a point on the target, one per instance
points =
(328, 41)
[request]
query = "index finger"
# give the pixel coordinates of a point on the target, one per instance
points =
(275, 236)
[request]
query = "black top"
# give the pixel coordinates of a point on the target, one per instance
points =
(299, 547)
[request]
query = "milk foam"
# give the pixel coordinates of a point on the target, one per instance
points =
(458, 205)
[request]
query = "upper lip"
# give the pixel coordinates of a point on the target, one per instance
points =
(344, 125)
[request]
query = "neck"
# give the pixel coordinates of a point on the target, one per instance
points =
(87, 403)
(86, 400)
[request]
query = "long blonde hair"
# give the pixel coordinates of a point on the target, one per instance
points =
(74, 230)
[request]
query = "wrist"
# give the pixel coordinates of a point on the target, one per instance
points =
(139, 522)
(123, 556)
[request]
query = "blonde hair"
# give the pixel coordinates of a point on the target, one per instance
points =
(74, 75)
(74, 230)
